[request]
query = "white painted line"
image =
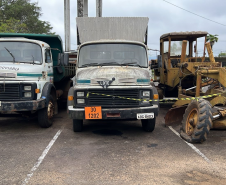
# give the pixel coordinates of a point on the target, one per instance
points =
(191, 145)
(40, 159)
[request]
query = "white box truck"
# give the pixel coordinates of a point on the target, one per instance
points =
(112, 78)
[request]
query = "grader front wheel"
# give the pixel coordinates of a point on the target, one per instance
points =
(197, 121)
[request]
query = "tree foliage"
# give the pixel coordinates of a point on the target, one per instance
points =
(212, 39)
(12, 26)
(222, 55)
(22, 16)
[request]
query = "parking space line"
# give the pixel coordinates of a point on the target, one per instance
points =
(191, 145)
(41, 158)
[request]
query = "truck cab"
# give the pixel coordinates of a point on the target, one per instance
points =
(30, 75)
(112, 78)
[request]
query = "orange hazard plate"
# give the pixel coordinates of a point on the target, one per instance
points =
(93, 113)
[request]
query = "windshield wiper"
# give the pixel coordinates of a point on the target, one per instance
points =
(11, 55)
(109, 63)
(90, 64)
(132, 64)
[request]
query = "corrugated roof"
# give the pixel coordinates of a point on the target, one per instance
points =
(120, 28)
(187, 33)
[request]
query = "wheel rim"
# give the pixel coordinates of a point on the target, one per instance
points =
(191, 121)
(50, 110)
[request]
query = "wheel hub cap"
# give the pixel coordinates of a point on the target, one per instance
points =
(191, 121)
(50, 110)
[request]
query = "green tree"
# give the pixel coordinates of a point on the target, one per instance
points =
(13, 26)
(22, 16)
(212, 39)
(222, 55)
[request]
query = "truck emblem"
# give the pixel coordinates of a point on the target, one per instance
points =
(106, 83)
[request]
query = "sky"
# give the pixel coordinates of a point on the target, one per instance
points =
(163, 17)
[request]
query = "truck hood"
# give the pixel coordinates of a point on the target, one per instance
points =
(20, 72)
(122, 75)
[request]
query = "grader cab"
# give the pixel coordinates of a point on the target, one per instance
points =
(195, 82)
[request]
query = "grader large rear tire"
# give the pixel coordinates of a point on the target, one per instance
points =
(197, 121)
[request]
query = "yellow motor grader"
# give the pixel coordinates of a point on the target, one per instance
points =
(196, 83)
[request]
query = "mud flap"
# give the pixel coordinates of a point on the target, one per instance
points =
(174, 116)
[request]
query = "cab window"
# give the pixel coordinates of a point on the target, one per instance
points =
(48, 56)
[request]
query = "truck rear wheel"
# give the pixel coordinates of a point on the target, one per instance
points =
(45, 116)
(148, 125)
(77, 125)
(197, 121)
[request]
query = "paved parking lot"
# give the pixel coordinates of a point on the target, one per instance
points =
(107, 152)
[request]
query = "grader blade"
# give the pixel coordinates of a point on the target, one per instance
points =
(219, 123)
(174, 116)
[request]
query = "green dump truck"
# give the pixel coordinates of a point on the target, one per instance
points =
(32, 79)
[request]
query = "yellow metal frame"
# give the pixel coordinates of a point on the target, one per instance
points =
(171, 76)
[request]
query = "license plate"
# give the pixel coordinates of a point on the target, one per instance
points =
(145, 116)
(93, 113)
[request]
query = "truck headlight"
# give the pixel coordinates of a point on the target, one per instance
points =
(80, 101)
(27, 88)
(80, 94)
(146, 93)
(27, 94)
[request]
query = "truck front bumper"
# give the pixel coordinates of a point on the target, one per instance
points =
(16, 106)
(125, 113)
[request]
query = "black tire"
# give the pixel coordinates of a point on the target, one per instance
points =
(77, 125)
(45, 116)
(148, 125)
(197, 121)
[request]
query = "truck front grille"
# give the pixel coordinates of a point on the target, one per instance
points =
(113, 100)
(9, 92)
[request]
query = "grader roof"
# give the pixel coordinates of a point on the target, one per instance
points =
(184, 35)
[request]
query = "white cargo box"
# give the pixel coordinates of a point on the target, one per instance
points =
(113, 28)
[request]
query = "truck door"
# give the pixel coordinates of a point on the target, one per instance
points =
(49, 65)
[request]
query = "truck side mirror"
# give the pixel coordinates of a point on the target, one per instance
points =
(59, 59)
(63, 59)
(66, 59)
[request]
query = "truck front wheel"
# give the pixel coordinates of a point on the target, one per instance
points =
(148, 125)
(77, 125)
(45, 116)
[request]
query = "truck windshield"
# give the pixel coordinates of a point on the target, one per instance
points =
(109, 54)
(23, 52)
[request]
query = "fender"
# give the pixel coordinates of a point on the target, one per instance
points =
(46, 91)
(70, 93)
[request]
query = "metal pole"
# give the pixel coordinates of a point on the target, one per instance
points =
(80, 8)
(85, 8)
(67, 25)
(98, 8)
